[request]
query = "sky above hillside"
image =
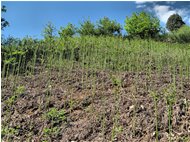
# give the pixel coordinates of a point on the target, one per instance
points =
(30, 18)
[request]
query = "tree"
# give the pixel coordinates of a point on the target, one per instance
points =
(108, 27)
(10, 41)
(142, 25)
(174, 22)
(4, 23)
(68, 31)
(87, 28)
(49, 31)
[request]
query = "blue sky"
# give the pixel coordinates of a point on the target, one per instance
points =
(30, 18)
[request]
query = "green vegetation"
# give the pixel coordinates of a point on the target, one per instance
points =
(68, 31)
(52, 131)
(107, 52)
(107, 27)
(87, 28)
(155, 98)
(174, 22)
(182, 35)
(49, 31)
(55, 115)
(4, 22)
(8, 131)
(170, 93)
(12, 99)
(142, 25)
(98, 84)
(104, 27)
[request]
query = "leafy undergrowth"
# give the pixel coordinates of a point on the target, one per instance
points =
(96, 106)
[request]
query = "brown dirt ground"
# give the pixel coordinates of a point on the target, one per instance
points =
(97, 109)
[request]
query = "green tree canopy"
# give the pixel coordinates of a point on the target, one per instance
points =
(108, 27)
(4, 23)
(174, 22)
(142, 25)
(68, 31)
(87, 28)
(49, 31)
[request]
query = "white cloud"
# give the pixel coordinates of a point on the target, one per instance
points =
(164, 12)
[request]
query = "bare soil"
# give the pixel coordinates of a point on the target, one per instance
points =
(97, 108)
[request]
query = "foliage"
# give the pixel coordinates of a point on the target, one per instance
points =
(20, 90)
(15, 52)
(182, 35)
(107, 27)
(12, 99)
(4, 22)
(28, 41)
(174, 22)
(49, 31)
(162, 36)
(92, 61)
(93, 52)
(142, 25)
(104, 27)
(87, 28)
(106, 54)
(51, 131)
(10, 41)
(8, 131)
(68, 31)
(56, 115)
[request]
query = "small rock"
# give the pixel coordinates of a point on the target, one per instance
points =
(132, 107)
(153, 134)
(142, 107)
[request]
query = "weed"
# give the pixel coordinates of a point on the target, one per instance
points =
(155, 96)
(48, 133)
(51, 131)
(170, 94)
(11, 100)
(20, 90)
(8, 131)
(116, 129)
(56, 115)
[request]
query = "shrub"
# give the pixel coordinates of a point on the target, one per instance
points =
(182, 35)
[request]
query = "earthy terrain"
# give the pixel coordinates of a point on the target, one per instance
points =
(95, 106)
